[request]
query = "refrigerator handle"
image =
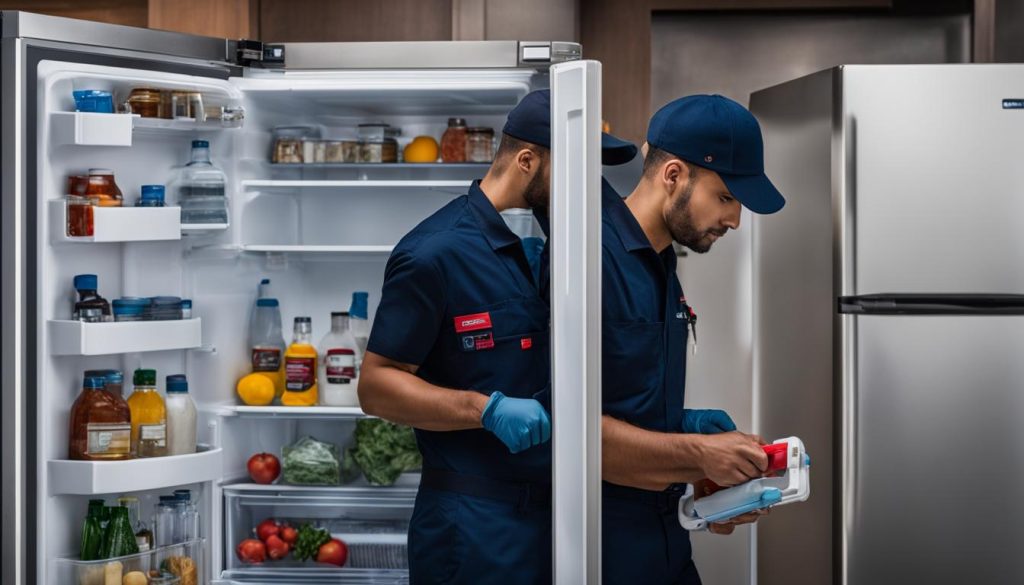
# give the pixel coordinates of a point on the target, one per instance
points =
(576, 321)
(845, 487)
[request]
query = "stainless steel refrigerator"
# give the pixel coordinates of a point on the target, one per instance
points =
(888, 323)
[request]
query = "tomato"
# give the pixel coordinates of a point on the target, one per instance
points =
(277, 548)
(289, 535)
(267, 528)
(264, 468)
(334, 552)
(251, 550)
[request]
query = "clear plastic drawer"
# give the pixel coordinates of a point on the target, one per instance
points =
(176, 564)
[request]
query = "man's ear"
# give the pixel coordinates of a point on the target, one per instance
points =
(527, 161)
(672, 174)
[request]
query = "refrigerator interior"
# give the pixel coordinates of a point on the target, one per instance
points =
(319, 232)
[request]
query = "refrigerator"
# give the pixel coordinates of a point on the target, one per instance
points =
(318, 230)
(888, 322)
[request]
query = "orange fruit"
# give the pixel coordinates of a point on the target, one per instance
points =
(422, 149)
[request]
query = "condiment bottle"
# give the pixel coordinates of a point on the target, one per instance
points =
(181, 417)
(104, 189)
(149, 416)
(100, 424)
(91, 307)
(266, 342)
(453, 141)
(337, 372)
(300, 387)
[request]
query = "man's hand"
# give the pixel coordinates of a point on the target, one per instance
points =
(707, 422)
(520, 423)
(732, 458)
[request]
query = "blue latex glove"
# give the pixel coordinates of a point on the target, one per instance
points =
(707, 422)
(520, 423)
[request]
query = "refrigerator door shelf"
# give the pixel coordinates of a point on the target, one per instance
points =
(160, 125)
(118, 224)
(135, 475)
(92, 129)
(70, 570)
(80, 338)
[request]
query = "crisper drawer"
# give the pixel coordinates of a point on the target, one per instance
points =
(372, 521)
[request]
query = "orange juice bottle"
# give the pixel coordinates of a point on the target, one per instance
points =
(300, 367)
(149, 416)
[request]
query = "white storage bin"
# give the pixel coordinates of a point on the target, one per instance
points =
(92, 129)
(134, 475)
(80, 338)
(119, 224)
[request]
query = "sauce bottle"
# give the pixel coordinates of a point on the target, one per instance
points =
(149, 416)
(91, 307)
(100, 424)
(300, 387)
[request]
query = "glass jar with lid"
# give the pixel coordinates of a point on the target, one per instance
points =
(103, 188)
(146, 102)
(453, 141)
(479, 144)
(378, 143)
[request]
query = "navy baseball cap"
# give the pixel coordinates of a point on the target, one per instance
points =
(530, 121)
(716, 133)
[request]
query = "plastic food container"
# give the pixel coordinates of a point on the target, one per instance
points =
(163, 309)
(129, 308)
(288, 144)
(479, 145)
(147, 102)
(378, 144)
(178, 564)
(93, 100)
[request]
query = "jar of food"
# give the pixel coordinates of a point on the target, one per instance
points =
(78, 185)
(146, 102)
(103, 188)
(152, 196)
(189, 105)
(453, 141)
(288, 144)
(334, 151)
(479, 145)
(129, 308)
(80, 219)
(378, 144)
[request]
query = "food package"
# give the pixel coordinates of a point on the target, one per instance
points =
(383, 450)
(184, 568)
(311, 462)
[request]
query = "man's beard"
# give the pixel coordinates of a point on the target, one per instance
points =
(538, 191)
(681, 225)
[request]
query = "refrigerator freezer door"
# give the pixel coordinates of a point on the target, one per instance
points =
(576, 320)
(934, 177)
(937, 445)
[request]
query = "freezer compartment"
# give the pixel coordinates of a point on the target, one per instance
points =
(178, 564)
(373, 522)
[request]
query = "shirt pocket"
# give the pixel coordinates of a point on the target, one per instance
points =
(632, 364)
(512, 355)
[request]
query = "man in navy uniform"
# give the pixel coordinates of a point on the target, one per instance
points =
(459, 351)
(704, 161)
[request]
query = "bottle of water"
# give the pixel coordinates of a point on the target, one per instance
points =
(202, 189)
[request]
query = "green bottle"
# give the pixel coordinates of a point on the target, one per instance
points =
(92, 532)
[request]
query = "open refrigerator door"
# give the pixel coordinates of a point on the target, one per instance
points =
(310, 203)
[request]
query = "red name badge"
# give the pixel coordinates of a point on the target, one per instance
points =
(526, 343)
(472, 322)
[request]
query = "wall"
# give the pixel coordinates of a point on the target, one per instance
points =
(735, 54)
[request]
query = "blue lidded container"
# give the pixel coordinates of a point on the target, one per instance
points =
(152, 196)
(129, 308)
(94, 100)
(163, 309)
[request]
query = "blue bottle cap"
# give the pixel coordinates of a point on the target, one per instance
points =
(95, 383)
(266, 302)
(200, 144)
(183, 495)
(359, 305)
(86, 282)
(177, 383)
(115, 377)
(186, 303)
(153, 192)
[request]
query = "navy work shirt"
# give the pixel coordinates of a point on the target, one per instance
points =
(644, 324)
(460, 302)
